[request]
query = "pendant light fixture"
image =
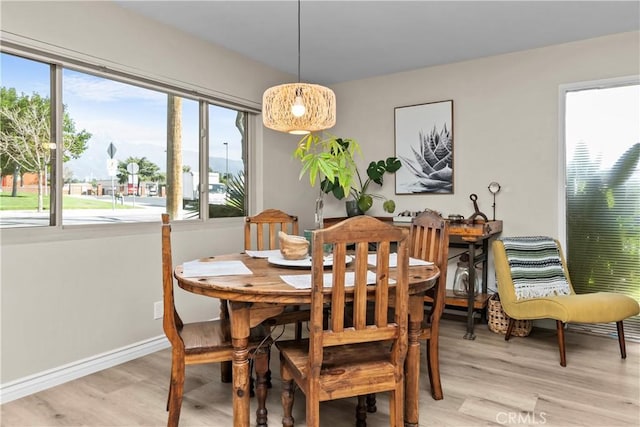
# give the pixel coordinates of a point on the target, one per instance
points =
(299, 108)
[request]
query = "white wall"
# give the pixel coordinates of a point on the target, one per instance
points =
(61, 302)
(505, 124)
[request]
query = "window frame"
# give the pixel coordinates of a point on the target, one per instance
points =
(205, 98)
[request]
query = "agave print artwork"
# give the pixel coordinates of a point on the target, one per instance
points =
(424, 145)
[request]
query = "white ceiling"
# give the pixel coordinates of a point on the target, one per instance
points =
(355, 39)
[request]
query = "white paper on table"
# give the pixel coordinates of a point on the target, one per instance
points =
(263, 254)
(303, 281)
(393, 260)
(199, 268)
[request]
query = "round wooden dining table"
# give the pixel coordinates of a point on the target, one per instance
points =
(254, 298)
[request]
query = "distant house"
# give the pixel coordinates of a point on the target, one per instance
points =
(27, 183)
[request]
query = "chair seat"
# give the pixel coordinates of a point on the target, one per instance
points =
(597, 307)
(353, 364)
(202, 337)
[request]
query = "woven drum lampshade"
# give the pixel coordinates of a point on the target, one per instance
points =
(319, 103)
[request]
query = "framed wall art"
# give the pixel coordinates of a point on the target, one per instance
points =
(424, 145)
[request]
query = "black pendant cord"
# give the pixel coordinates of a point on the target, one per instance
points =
(298, 41)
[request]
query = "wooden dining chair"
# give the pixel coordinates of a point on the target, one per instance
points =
(261, 233)
(429, 241)
(266, 224)
(203, 342)
(356, 354)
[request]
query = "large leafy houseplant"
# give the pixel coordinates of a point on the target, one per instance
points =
(323, 159)
(331, 160)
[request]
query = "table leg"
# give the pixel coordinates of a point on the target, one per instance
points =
(471, 299)
(412, 363)
(485, 274)
(261, 364)
(239, 316)
(225, 367)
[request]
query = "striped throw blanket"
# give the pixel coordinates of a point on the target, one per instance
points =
(536, 267)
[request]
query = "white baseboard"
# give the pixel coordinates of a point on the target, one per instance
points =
(50, 378)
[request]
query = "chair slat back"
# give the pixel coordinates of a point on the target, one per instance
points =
(430, 242)
(430, 238)
(171, 322)
(350, 285)
(266, 225)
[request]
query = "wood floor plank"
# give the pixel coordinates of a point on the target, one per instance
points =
(486, 382)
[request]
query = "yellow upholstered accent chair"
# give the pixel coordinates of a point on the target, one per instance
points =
(598, 307)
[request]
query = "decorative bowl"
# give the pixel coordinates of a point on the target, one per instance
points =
(293, 247)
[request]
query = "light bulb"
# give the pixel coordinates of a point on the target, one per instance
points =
(298, 109)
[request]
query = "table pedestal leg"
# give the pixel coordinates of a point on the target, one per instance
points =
(239, 314)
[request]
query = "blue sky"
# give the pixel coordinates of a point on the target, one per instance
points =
(133, 118)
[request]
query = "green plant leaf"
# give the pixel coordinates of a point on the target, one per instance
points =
(313, 172)
(389, 206)
(334, 188)
(365, 202)
(624, 167)
(376, 170)
(393, 164)
(327, 168)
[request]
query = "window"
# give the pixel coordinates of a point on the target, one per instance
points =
(121, 173)
(25, 154)
(602, 148)
(227, 169)
(130, 151)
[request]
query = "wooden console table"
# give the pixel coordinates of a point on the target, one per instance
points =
(472, 236)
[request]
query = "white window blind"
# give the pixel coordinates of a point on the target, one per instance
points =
(602, 145)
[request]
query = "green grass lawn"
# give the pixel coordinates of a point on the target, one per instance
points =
(29, 202)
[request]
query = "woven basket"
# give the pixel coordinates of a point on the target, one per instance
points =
(499, 321)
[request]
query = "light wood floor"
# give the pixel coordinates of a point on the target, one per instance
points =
(486, 382)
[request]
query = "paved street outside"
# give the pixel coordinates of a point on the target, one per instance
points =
(144, 209)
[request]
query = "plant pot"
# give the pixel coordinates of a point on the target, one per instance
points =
(352, 208)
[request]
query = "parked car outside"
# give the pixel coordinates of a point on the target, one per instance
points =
(217, 194)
